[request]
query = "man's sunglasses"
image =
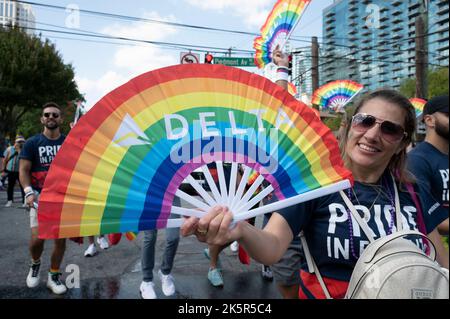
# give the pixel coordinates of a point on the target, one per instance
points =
(391, 132)
(55, 115)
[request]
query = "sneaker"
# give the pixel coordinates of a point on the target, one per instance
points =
(33, 275)
(148, 290)
(234, 246)
(8, 203)
(102, 242)
(55, 284)
(168, 287)
(266, 272)
(91, 251)
(215, 277)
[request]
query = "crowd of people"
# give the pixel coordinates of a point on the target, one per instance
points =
(374, 147)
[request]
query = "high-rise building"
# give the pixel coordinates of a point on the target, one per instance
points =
(13, 13)
(301, 70)
(438, 26)
(373, 41)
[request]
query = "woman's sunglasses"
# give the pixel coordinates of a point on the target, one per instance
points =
(391, 132)
(55, 115)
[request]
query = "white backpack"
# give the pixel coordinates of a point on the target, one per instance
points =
(391, 267)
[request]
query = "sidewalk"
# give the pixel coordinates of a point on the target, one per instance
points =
(115, 273)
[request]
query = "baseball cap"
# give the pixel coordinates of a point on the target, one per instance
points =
(436, 104)
(20, 138)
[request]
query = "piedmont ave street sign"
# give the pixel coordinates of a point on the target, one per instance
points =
(232, 61)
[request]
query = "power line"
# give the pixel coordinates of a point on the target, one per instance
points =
(132, 18)
(393, 42)
(350, 54)
(197, 27)
(105, 42)
(169, 44)
(173, 46)
(328, 57)
(87, 33)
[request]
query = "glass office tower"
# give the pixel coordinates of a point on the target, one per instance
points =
(373, 41)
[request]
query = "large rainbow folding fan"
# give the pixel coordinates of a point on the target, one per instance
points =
(279, 25)
(336, 95)
(418, 105)
(122, 164)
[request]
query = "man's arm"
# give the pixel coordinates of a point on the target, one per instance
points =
(282, 61)
(441, 253)
(443, 228)
(25, 180)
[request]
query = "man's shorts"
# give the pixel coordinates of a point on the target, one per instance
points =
(33, 218)
(287, 271)
(33, 213)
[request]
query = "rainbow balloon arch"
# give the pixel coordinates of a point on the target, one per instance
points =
(121, 166)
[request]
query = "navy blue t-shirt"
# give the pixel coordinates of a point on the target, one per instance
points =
(40, 151)
(326, 225)
(430, 167)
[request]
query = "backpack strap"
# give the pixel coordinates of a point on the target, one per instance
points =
(362, 223)
(420, 221)
(10, 158)
(312, 266)
(384, 240)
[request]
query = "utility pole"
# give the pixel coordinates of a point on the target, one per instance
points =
(421, 59)
(315, 63)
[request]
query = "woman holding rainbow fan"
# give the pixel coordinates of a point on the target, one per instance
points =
(374, 149)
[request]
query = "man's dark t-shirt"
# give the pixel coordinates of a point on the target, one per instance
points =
(430, 167)
(40, 151)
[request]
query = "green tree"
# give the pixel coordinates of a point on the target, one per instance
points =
(32, 73)
(408, 87)
(437, 84)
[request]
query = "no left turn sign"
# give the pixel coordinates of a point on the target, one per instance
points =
(188, 58)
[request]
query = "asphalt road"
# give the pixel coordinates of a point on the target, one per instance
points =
(115, 273)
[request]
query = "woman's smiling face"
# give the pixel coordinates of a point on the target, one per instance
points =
(369, 149)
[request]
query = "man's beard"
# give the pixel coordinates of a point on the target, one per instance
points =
(52, 126)
(442, 130)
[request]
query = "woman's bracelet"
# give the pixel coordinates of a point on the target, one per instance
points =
(282, 67)
(283, 76)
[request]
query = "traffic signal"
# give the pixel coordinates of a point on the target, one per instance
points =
(209, 58)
